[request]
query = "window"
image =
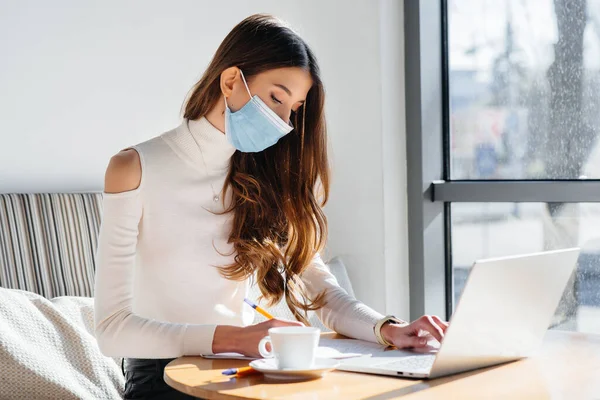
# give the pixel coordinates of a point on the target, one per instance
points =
(484, 230)
(503, 116)
(524, 88)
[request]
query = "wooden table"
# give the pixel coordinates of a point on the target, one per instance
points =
(568, 367)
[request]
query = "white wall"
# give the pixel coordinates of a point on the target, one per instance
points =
(81, 80)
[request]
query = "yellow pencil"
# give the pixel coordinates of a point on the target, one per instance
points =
(258, 309)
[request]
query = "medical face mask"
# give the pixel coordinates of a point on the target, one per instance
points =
(254, 127)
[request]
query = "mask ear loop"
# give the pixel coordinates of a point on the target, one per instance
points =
(245, 84)
(302, 136)
(247, 88)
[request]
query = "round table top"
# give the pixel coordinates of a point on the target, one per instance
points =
(568, 366)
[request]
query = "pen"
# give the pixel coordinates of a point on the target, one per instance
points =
(258, 309)
(238, 372)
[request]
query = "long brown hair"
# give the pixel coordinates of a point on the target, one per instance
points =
(278, 221)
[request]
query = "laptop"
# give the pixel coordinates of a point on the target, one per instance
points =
(505, 309)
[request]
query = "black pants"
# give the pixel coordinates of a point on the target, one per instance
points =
(144, 380)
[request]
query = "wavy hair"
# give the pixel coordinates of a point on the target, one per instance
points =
(278, 193)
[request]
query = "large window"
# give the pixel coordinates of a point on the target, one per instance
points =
(524, 88)
(503, 117)
(524, 99)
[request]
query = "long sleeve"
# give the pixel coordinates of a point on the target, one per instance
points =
(120, 332)
(342, 312)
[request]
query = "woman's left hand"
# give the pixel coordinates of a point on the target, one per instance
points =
(416, 334)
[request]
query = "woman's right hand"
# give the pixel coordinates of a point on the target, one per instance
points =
(245, 340)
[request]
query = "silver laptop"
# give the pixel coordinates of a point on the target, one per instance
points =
(504, 311)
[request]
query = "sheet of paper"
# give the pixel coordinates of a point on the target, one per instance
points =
(329, 348)
(348, 348)
(231, 356)
(361, 347)
(351, 346)
(329, 352)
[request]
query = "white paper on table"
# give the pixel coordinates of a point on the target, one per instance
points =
(329, 348)
(347, 348)
(354, 348)
(231, 356)
(330, 352)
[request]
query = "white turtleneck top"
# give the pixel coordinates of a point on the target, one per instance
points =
(157, 291)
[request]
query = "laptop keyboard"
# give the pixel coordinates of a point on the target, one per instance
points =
(416, 363)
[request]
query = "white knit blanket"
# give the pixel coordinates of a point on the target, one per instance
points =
(48, 350)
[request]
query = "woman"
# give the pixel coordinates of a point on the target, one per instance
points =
(233, 193)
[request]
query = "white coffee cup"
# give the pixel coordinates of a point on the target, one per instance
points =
(293, 347)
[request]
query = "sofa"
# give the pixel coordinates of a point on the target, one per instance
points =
(47, 343)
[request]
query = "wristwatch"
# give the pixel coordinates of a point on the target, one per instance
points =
(379, 324)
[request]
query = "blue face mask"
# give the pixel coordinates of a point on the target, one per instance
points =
(254, 127)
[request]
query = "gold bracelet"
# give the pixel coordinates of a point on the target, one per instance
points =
(377, 328)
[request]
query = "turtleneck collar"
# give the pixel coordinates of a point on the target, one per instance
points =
(210, 143)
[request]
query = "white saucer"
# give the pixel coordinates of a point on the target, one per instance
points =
(268, 366)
